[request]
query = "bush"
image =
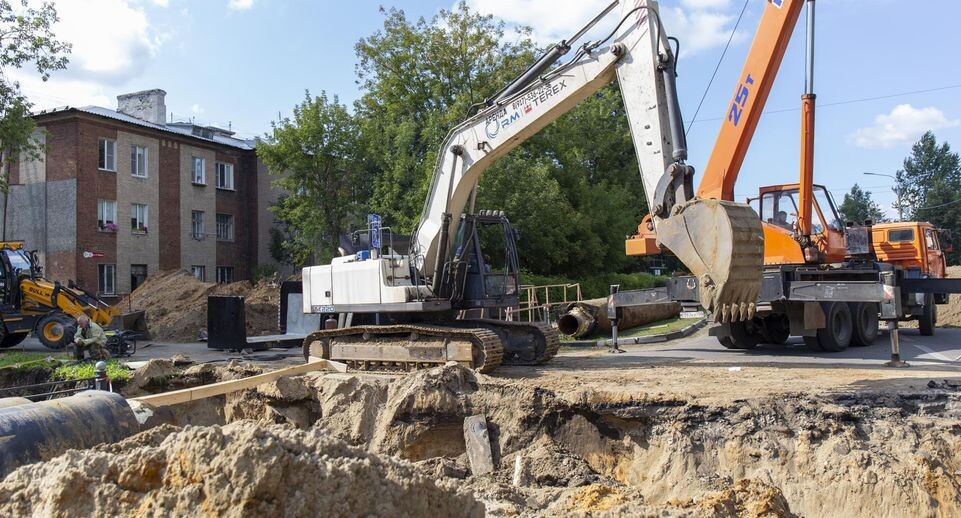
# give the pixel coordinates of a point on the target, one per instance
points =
(597, 286)
(115, 371)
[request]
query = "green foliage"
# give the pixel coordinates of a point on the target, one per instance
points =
(316, 157)
(858, 206)
(23, 360)
(263, 271)
(599, 285)
(26, 38)
(116, 370)
(931, 186)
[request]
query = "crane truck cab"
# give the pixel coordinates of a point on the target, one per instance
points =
(778, 207)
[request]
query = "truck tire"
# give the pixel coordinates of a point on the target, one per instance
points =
(55, 330)
(741, 335)
(929, 317)
(865, 315)
(776, 329)
(836, 335)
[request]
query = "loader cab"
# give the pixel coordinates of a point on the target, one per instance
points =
(485, 264)
(778, 207)
(15, 262)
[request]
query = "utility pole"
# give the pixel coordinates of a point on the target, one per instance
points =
(897, 191)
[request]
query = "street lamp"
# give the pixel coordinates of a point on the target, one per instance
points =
(897, 191)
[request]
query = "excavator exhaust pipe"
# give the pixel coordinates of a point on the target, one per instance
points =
(722, 244)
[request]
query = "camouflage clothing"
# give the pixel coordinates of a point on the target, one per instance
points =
(92, 338)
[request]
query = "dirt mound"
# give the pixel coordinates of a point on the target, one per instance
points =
(587, 452)
(176, 304)
(949, 315)
(241, 469)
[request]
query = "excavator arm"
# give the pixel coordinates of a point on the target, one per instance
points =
(718, 240)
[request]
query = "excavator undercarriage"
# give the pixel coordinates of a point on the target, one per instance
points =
(482, 345)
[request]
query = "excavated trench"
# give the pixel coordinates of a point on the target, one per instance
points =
(876, 454)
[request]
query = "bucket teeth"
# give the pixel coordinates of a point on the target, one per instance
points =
(722, 244)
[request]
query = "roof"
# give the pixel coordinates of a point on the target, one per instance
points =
(179, 129)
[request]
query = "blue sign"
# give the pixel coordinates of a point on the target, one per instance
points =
(777, 3)
(373, 223)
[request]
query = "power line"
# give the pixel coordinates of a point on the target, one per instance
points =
(716, 68)
(848, 101)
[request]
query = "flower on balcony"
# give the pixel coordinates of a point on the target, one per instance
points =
(107, 227)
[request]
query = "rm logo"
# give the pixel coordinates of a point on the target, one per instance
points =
(777, 3)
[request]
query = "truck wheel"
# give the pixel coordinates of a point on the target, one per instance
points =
(55, 331)
(742, 335)
(776, 329)
(865, 315)
(12, 340)
(929, 317)
(836, 334)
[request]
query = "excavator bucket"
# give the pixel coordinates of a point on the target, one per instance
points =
(722, 244)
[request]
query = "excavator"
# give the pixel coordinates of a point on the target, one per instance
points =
(398, 311)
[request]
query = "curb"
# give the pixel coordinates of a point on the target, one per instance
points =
(653, 339)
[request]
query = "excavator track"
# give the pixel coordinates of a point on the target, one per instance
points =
(407, 347)
(525, 343)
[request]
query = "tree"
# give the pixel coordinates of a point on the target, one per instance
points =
(931, 185)
(317, 159)
(573, 190)
(858, 206)
(26, 38)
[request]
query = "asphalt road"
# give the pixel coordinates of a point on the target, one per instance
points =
(941, 351)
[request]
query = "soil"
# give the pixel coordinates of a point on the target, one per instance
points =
(176, 305)
(949, 315)
(593, 439)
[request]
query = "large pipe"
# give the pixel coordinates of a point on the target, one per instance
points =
(589, 317)
(36, 432)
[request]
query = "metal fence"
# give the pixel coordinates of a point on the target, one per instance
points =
(62, 388)
(540, 303)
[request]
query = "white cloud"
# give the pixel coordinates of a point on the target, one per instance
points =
(113, 43)
(240, 5)
(197, 109)
(705, 4)
(161, 3)
(697, 23)
(903, 125)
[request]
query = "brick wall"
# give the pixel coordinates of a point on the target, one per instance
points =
(170, 217)
(93, 184)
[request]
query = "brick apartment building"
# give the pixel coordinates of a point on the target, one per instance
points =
(123, 193)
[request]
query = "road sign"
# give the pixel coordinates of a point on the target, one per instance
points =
(373, 223)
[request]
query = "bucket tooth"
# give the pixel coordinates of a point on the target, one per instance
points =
(722, 244)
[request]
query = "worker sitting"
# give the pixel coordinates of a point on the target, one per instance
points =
(90, 336)
(781, 220)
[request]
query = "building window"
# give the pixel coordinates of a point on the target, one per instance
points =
(225, 227)
(197, 230)
(138, 218)
(225, 176)
(108, 155)
(107, 215)
(138, 274)
(138, 161)
(225, 274)
(199, 176)
(200, 272)
(107, 278)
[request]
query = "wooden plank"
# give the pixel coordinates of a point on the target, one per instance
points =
(478, 442)
(225, 387)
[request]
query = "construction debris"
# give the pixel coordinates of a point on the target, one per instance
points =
(478, 444)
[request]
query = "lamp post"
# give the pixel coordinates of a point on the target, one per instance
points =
(897, 191)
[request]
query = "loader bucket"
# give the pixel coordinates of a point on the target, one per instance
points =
(722, 244)
(134, 321)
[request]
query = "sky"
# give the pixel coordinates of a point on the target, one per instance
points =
(886, 70)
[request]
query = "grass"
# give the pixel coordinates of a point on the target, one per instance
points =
(22, 360)
(115, 370)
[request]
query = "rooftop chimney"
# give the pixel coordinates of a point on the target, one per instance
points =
(147, 105)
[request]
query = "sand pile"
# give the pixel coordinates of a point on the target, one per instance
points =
(949, 315)
(241, 469)
(176, 304)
